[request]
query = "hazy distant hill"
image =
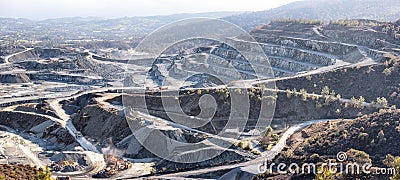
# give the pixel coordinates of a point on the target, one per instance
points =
(388, 10)
(88, 25)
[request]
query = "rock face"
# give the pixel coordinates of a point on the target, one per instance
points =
(37, 53)
(14, 78)
(19, 120)
(372, 34)
(99, 123)
(35, 65)
(333, 48)
(290, 47)
(68, 78)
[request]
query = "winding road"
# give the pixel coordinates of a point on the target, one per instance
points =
(249, 166)
(6, 59)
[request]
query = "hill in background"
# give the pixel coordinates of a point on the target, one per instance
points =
(385, 10)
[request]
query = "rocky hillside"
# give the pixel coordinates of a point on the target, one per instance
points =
(292, 46)
(368, 138)
(324, 10)
(351, 82)
(19, 171)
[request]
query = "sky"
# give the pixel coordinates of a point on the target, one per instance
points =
(47, 9)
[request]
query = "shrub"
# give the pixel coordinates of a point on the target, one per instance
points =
(358, 156)
(324, 173)
(297, 21)
(245, 145)
(393, 162)
(314, 157)
(44, 175)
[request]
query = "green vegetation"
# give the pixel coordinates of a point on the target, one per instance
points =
(392, 64)
(304, 94)
(324, 174)
(325, 91)
(380, 102)
(357, 103)
(20, 171)
(44, 175)
(294, 91)
(268, 139)
(328, 95)
(245, 145)
(288, 93)
(355, 22)
(298, 21)
(393, 162)
(358, 156)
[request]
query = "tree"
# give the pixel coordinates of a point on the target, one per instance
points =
(325, 91)
(381, 137)
(304, 94)
(44, 175)
(353, 101)
(382, 102)
(288, 93)
(361, 101)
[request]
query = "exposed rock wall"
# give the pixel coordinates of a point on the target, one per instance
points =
(17, 120)
(35, 65)
(334, 48)
(77, 79)
(14, 78)
(36, 53)
(358, 35)
(99, 123)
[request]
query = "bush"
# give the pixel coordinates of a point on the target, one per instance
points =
(355, 22)
(357, 156)
(393, 162)
(324, 174)
(245, 145)
(315, 157)
(44, 175)
(298, 21)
